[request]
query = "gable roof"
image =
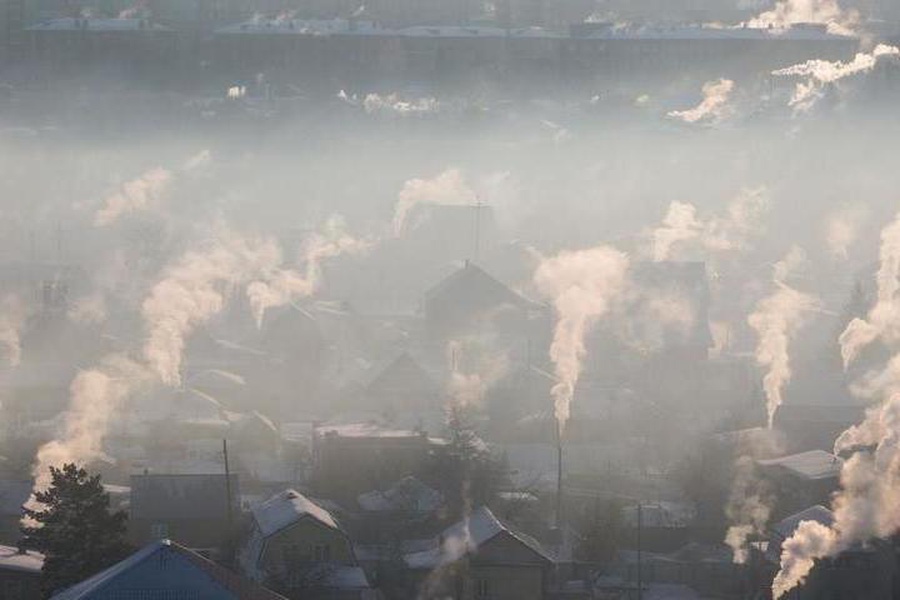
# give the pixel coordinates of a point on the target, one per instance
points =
(167, 567)
(812, 465)
(480, 528)
(183, 496)
(472, 278)
(818, 513)
(288, 507)
(26, 562)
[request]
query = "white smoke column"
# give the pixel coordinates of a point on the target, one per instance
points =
(679, 225)
(146, 192)
(194, 289)
(883, 320)
(582, 285)
(143, 193)
(825, 12)
(817, 74)
(749, 507)
(449, 187)
(12, 319)
(776, 320)
(476, 363)
(95, 395)
(714, 106)
(284, 286)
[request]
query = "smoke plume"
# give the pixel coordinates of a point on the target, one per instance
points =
(883, 320)
(681, 227)
(12, 319)
(826, 12)
(449, 187)
(714, 106)
(817, 74)
(776, 320)
(143, 193)
(582, 285)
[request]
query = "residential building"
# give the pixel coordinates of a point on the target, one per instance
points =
(801, 480)
(195, 509)
(165, 569)
(297, 546)
(20, 573)
(481, 558)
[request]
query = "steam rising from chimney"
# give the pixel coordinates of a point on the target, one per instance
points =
(826, 12)
(449, 187)
(729, 232)
(714, 106)
(883, 320)
(143, 193)
(776, 320)
(283, 286)
(817, 74)
(582, 285)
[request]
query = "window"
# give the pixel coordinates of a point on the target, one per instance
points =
(481, 588)
(322, 553)
(159, 531)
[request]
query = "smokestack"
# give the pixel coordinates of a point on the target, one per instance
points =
(559, 479)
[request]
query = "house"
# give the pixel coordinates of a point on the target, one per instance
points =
(20, 573)
(470, 300)
(397, 385)
(862, 571)
(165, 569)
(352, 458)
(297, 546)
(478, 558)
(802, 479)
(193, 508)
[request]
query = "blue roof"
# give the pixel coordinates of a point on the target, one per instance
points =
(166, 567)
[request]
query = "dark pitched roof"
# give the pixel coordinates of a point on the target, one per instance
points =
(171, 570)
(472, 278)
(182, 496)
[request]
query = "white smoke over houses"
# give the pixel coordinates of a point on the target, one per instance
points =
(786, 13)
(146, 192)
(95, 396)
(713, 108)
(776, 320)
(681, 227)
(449, 187)
(866, 506)
(883, 320)
(817, 74)
(582, 285)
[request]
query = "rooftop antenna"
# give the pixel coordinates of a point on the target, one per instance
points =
(478, 207)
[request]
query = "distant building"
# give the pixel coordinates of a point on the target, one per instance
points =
(164, 569)
(408, 496)
(481, 558)
(192, 508)
(398, 385)
(297, 546)
(14, 494)
(20, 573)
(355, 458)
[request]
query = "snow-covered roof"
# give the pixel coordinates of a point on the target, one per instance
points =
(365, 430)
(466, 537)
(799, 31)
(812, 465)
(408, 494)
(660, 515)
(475, 31)
(13, 560)
(311, 27)
(165, 569)
(97, 24)
(285, 509)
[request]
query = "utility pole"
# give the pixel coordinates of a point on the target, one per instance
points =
(228, 485)
(640, 579)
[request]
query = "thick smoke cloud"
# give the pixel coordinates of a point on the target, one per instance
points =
(713, 108)
(582, 285)
(826, 12)
(449, 187)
